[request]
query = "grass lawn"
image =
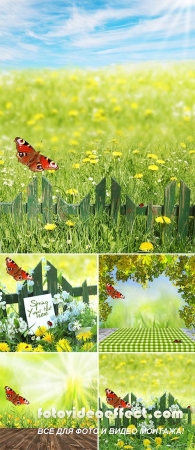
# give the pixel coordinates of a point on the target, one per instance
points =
(135, 124)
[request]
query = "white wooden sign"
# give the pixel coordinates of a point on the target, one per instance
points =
(38, 310)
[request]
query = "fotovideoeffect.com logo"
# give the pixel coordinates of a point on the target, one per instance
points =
(116, 413)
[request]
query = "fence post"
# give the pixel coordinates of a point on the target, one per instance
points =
(115, 200)
(21, 295)
(85, 207)
(100, 196)
(37, 278)
(85, 292)
(130, 212)
(17, 208)
(184, 206)
(32, 200)
(47, 202)
(149, 224)
(52, 282)
(169, 205)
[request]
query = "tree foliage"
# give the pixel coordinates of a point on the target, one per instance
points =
(145, 268)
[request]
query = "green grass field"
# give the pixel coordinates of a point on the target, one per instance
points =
(116, 122)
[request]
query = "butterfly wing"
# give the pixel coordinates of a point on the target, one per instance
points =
(14, 398)
(115, 401)
(113, 292)
(15, 271)
(28, 156)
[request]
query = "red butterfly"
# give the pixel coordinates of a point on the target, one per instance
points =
(15, 271)
(113, 292)
(16, 399)
(115, 401)
(27, 155)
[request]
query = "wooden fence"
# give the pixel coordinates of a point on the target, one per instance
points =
(165, 402)
(83, 291)
(32, 208)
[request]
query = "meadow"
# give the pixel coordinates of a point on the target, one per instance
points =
(134, 123)
(148, 377)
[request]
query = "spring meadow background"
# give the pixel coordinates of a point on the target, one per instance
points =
(53, 380)
(104, 91)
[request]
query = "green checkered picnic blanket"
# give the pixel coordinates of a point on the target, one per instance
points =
(147, 340)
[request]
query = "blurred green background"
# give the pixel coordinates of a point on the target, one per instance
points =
(147, 375)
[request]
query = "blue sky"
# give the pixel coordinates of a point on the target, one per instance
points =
(90, 34)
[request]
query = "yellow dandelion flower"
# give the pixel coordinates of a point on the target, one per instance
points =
(152, 155)
(84, 335)
(88, 152)
(93, 156)
(77, 133)
(146, 442)
(153, 167)
(54, 139)
(39, 80)
(146, 247)
(113, 100)
(50, 226)
(4, 347)
(23, 347)
(70, 223)
(93, 161)
(73, 77)
(63, 346)
(73, 113)
(183, 145)
(72, 191)
(115, 141)
(173, 178)
(138, 175)
(73, 142)
(191, 152)
(74, 99)
(76, 166)
(120, 444)
(163, 219)
(40, 331)
(135, 151)
(48, 337)
(71, 150)
(8, 105)
(1, 161)
(87, 346)
(148, 112)
(117, 154)
(117, 108)
(54, 111)
(158, 440)
(127, 446)
(86, 160)
(1, 113)
(160, 161)
(30, 122)
(39, 349)
(38, 116)
(134, 105)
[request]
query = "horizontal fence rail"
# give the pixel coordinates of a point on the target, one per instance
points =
(165, 402)
(83, 291)
(33, 208)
